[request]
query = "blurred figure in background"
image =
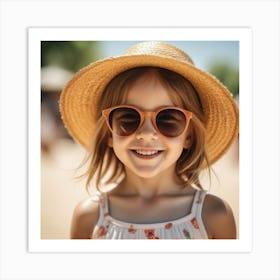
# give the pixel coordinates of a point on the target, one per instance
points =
(53, 78)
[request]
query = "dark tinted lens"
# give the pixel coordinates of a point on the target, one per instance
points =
(171, 122)
(124, 121)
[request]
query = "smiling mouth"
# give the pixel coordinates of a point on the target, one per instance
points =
(147, 154)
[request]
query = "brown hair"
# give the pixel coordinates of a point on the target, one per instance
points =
(104, 165)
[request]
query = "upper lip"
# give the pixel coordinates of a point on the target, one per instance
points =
(147, 149)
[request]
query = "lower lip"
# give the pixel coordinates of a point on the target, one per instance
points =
(147, 156)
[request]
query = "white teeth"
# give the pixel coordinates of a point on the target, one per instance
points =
(146, 153)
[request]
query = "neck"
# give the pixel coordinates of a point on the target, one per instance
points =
(164, 184)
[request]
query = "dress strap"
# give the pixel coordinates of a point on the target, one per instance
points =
(105, 203)
(198, 202)
(197, 206)
(102, 198)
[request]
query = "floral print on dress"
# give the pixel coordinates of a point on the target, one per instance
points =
(187, 228)
(168, 226)
(150, 234)
(131, 229)
(186, 234)
(101, 232)
(195, 223)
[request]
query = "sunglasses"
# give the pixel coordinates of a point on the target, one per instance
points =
(125, 120)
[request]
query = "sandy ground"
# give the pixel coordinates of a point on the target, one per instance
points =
(60, 191)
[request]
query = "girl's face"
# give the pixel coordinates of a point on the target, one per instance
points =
(147, 153)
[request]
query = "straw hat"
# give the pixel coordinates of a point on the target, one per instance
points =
(81, 94)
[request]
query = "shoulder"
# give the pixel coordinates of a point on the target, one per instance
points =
(84, 218)
(218, 218)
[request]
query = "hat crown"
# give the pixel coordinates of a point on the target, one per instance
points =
(159, 49)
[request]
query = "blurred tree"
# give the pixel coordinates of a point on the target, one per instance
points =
(227, 74)
(70, 55)
(59, 60)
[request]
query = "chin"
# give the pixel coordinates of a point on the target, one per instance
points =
(148, 172)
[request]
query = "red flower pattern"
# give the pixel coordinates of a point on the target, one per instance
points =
(131, 229)
(150, 234)
(168, 226)
(195, 223)
(101, 231)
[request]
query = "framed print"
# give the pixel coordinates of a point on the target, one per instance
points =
(212, 48)
(40, 183)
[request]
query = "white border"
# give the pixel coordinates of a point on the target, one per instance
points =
(262, 16)
(36, 35)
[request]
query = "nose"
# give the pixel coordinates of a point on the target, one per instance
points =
(147, 131)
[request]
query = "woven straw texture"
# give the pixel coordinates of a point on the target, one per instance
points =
(80, 96)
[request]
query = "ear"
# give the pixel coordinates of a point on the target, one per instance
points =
(187, 143)
(110, 142)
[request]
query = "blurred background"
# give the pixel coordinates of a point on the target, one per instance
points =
(61, 156)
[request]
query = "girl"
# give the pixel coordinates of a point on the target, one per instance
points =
(151, 122)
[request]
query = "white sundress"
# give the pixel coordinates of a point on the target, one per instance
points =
(188, 227)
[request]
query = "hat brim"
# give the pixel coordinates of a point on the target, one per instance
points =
(82, 92)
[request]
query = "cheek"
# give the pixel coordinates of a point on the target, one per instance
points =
(178, 142)
(177, 145)
(120, 140)
(119, 144)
